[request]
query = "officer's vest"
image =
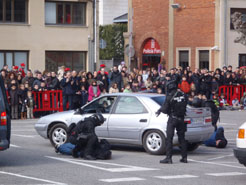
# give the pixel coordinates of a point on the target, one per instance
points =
(178, 104)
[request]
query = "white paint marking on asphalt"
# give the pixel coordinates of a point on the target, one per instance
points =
(176, 177)
(121, 167)
(128, 179)
(32, 178)
(225, 174)
(219, 164)
(231, 130)
(233, 124)
(14, 146)
(26, 136)
(221, 157)
(29, 130)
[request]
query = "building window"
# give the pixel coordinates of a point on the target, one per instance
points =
(241, 10)
(242, 60)
(204, 59)
(184, 59)
(70, 13)
(13, 11)
(13, 58)
(75, 60)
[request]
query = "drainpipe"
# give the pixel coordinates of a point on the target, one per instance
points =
(95, 35)
(225, 34)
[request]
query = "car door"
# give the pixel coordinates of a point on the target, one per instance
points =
(128, 118)
(103, 105)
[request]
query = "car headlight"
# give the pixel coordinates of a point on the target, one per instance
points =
(241, 133)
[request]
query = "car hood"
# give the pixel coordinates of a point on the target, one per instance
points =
(243, 126)
(59, 116)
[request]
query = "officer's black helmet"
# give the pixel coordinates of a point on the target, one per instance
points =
(98, 118)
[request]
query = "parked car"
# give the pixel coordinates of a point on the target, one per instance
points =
(130, 119)
(240, 151)
(5, 122)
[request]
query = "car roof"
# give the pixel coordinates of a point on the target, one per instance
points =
(149, 95)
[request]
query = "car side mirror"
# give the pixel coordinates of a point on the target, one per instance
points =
(79, 111)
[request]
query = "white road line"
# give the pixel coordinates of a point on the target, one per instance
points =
(176, 177)
(225, 174)
(219, 164)
(231, 130)
(26, 136)
(29, 130)
(221, 157)
(119, 167)
(128, 179)
(32, 178)
(14, 146)
(227, 124)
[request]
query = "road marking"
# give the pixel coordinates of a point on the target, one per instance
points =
(219, 164)
(14, 146)
(233, 124)
(32, 178)
(231, 130)
(176, 177)
(29, 130)
(119, 167)
(221, 157)
(26, 136)
(225, 174)
(128, 179)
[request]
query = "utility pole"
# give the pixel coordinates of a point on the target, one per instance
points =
(95, 34)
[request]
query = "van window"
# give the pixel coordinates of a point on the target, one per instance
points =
(2, 106)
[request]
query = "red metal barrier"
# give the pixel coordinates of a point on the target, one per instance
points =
(232, 91)
(48, 100)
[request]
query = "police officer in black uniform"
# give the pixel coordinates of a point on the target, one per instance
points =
(86, 137)
(175, 107)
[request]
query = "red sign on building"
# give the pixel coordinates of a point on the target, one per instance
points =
(151, 47)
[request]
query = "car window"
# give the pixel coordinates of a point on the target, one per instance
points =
(103, 105)
(130, 105)
(159, 99)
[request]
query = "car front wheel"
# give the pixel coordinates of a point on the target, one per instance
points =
(58, 134)
(154, 142)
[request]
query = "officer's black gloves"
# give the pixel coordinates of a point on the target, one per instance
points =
(158, 113)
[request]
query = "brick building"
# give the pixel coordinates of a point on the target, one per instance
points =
(176, 33)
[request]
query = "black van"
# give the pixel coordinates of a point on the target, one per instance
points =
(5, 122)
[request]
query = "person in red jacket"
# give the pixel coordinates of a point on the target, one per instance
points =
(184, 85)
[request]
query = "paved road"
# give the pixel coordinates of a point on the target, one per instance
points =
(32, 160)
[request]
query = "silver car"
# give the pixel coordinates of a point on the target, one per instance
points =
(130, 119)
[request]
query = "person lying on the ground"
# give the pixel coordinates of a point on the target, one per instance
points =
(217, 140)
(83, 140)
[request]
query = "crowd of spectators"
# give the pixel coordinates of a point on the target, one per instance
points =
(80, 87)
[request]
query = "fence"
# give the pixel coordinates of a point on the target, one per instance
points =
(52, 100)
(48, 100)
(232, 91)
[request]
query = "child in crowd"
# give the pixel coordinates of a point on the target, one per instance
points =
(159, 91)
(83, 95)
(14, 101)
(223, 102)
(184, 85)
(22, 93)
(30, 104)
(127, 89)
(235, 104)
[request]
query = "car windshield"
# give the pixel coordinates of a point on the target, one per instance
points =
(159, 99)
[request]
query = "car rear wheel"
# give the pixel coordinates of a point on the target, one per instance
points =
(58, 134)
(192, 146)
(154, 142)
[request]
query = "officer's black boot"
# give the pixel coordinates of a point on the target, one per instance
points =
(89, 157)
(167, 160)
(183, 160)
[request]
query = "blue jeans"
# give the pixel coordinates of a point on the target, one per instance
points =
(66, 148)
(69, 99)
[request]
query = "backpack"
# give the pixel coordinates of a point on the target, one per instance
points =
(178, 104)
